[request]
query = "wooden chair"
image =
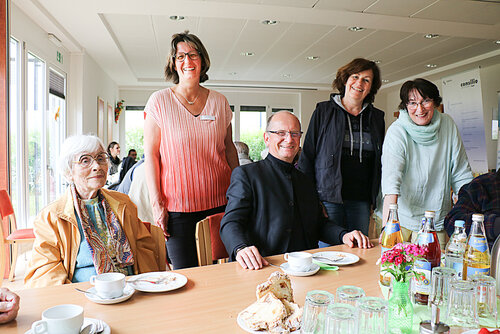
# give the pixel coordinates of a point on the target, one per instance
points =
(208, 242)
(14, 237)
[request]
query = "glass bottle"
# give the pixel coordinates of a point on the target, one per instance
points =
(455, 249)
(391, 235)
(477, 254)
(427, 237)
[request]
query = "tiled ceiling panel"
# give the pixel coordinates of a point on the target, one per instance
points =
(348, 5)
(462, 11)
(398, 7)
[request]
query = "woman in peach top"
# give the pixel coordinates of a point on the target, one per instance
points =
(189, 149)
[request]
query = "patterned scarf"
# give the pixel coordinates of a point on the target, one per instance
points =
(110, 250)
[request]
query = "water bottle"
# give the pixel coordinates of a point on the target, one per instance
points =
(477, 254)
(455, 249)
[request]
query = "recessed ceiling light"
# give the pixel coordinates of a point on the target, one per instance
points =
(247, 54)
(313, 58)
(269, 22)
(288, 76)
(497, 42)
(385, 81)
(376, 61)
(232, 73)
(431, 65)
(177, 18)
(356, 29)
(431, 36)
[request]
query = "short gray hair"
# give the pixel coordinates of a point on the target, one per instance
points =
(270, 119)
(74, 146)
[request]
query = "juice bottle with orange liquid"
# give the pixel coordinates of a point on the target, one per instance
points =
(427, 237)
(390, 237)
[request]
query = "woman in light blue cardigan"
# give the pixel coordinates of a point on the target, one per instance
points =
(423, 159)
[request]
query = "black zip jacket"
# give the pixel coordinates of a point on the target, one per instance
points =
(322, 150)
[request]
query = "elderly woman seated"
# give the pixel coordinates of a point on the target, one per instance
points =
(89, 229)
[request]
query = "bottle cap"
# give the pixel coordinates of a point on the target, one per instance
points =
(478, 217)
(459, 223)
(393, 206)
(430, 214)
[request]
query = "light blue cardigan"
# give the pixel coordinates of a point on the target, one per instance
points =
(421, 164)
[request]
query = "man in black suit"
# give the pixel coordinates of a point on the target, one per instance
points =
(273, 208)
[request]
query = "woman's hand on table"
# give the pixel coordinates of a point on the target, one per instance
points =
(9, 305)
(250, 258)
(356, 238)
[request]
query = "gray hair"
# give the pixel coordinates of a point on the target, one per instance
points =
(270, 119)
(74, 146)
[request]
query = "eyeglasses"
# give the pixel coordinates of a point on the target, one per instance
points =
(181, 56)
(86, 160)
(283, 133)
(427, 103)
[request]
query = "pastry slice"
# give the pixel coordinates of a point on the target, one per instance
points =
(267, 313)
(279, 284)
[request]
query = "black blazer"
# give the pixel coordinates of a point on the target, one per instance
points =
(260, 209)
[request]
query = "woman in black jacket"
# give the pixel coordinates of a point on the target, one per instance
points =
(343, 146)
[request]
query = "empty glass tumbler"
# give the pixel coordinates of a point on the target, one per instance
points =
(462, 311)
(372, 315)
(313, 318)
(349, 294)
(486, 299)
(340, 319)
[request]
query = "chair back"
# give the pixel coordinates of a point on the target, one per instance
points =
(6, 210)
(208, 242)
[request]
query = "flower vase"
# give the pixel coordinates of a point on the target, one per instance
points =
(400, 308)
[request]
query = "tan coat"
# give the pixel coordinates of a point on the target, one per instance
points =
(57, 240)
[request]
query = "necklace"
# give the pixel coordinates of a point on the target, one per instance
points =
(189, 102)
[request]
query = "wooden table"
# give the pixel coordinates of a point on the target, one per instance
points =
(209, 303)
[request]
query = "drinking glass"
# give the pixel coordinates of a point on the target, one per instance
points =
(372, 315)
(486, 299)
(340, 319)
(313, 318)
(440, 286)
(462, 308)
(349, 294)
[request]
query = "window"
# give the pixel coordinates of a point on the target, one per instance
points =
(134, 129)
(252, 126)
(15, 142)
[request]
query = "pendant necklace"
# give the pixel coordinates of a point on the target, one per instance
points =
(189, 102)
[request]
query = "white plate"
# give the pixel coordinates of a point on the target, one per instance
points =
(127, 293)
(86, 322)
(172, 280)
(313, 270)
(475, 331)
(245, 328)
(338, 258)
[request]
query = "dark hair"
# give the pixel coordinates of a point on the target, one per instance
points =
(241, 147)
(424, 87)
(355, 66)
(191, 39)
(131, 150)
(110, 146)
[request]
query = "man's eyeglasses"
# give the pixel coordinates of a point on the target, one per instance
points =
(282, 133)
(413, 105)
(181, 56)
(86, 160)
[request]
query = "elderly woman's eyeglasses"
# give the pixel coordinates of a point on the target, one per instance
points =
(413, 105)
(86, 160)
(181, 56)
(283, 133)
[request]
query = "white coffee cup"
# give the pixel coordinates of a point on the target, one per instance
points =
(60, 319)
(299, 261)
(108, 285)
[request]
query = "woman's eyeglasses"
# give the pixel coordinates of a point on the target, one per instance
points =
(413, 105)
(86, 160)
(181, 56)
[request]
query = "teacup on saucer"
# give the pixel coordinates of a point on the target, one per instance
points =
(299, 261)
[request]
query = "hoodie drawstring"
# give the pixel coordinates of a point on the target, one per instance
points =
(360, 136)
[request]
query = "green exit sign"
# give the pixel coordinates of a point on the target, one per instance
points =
(59, 57)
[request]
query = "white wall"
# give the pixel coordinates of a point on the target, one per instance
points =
(388, 99)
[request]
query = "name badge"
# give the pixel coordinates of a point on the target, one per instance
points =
(207, 118)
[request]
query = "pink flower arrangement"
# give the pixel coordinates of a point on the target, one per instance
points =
(398, 261)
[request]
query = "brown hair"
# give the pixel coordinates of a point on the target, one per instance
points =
(425, 88)
(355, 66)
(193, 41)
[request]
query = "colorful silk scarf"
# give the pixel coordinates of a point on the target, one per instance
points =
(110, 252)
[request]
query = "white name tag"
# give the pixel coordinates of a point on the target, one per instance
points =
(207, 118)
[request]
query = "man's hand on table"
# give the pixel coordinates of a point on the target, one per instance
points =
(356, 238)
(250, 258)
(9, 305)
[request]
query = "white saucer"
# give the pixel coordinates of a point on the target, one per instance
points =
(313, 270)
(86, 322)
(127, 293)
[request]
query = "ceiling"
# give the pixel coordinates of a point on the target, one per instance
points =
(130, 39)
